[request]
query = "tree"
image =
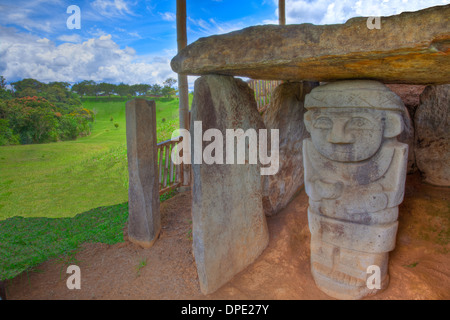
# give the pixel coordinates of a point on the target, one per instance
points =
(123, 89)
(143, 88)
(85, 87)
(106, 88)
(2, 82)
(169, 82)
(168, 91)
(28, 87)
(4, 93)
(63, 85)
(156, 90)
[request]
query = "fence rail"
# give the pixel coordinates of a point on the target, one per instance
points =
(263, 92)
(170, 175)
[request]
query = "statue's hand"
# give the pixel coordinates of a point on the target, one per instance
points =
(329, 189)
(359, 202)
(377, 202)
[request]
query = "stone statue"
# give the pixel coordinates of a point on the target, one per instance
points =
(355, 172)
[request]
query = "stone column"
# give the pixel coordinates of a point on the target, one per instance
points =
(355, 172)
(229, 226)
(144, 221)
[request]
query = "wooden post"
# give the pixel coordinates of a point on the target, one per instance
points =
(183, 87)
(2, 290)
(281, 12)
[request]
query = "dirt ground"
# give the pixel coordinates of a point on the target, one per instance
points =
(419, 266)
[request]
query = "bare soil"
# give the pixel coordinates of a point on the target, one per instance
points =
(419, 265)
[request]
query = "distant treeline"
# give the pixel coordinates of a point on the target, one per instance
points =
(91, 88)
(36, 112)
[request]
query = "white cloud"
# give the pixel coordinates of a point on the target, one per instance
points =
(168, 16)
(99, 59)
(74, 38)
(339, 11)
(112, 8)
(211, 27)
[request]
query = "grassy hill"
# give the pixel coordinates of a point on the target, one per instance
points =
(56, 196)
(66, 178)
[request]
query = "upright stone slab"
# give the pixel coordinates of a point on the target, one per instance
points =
(355, 172)
(285, 113)
(432, 122)
(144, 220)
(229, 226)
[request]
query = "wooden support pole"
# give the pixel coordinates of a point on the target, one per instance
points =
(281, 12)
(183, 86)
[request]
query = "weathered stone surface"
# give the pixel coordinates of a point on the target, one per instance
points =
(229, 226)
(432, 123)
(285, 113)
(407, 136)
(410, 96)
(412, 47)
(144, 221)
(355, 173)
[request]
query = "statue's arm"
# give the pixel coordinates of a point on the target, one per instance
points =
(387, 192)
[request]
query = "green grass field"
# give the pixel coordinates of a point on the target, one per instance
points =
(66, 178)
(55, 196)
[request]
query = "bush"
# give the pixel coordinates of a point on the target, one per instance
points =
(7, 137)
(68, 128)
(35, 120)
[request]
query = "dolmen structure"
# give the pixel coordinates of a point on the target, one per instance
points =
(341, 136)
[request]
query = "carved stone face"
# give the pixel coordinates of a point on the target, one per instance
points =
(346, 134)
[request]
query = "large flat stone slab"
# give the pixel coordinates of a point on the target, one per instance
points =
(412, 47)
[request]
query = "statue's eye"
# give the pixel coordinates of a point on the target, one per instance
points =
(323, 123)
(359, 123)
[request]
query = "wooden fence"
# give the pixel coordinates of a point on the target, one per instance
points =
(263, 92)
(170, 175)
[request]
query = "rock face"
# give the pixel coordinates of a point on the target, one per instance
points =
(229, 226)
(407, 136)
(144, 221)
(355, 173)
(410, 95)
(285, 113)
(412, 47)
(432, 122)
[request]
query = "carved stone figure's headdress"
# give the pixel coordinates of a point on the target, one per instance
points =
(354, 94)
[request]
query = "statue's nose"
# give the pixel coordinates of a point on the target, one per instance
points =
(338, 134)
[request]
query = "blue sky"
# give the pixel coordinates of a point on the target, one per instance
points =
(134, 41)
